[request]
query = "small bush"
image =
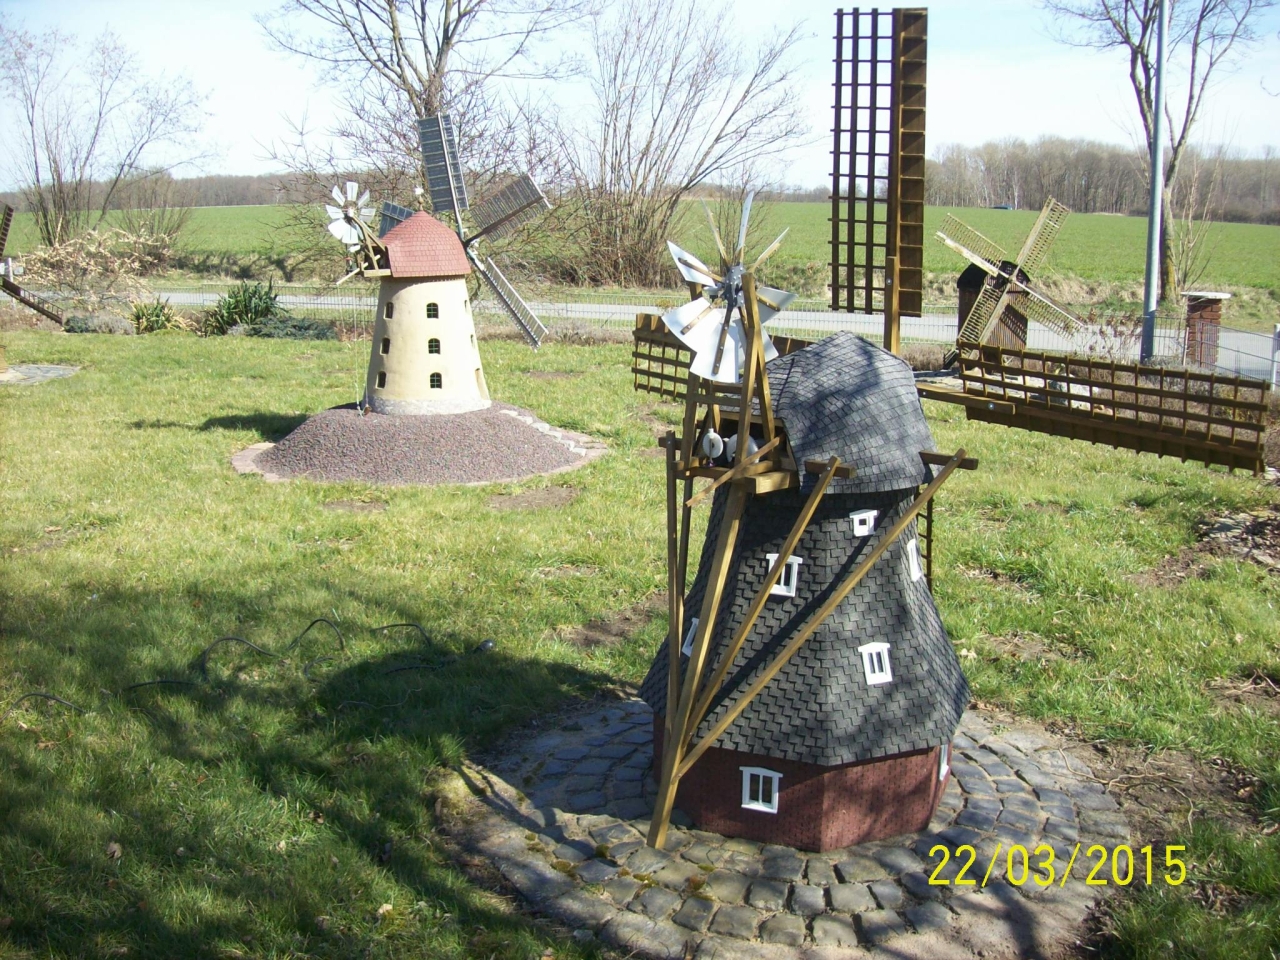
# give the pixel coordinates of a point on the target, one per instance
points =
(98, 323)
(292, 328)
(158, 315)
(247, 305)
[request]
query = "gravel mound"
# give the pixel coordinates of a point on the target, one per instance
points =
(482, 446)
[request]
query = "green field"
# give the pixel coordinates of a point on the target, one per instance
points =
(1096, 248)
(272, 809)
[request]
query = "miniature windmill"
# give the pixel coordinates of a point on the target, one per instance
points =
(424, 358)
(760, 620)
(7, 284)
(1007, 299)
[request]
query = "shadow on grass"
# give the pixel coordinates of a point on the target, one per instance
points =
(268, 426)
(270, 808)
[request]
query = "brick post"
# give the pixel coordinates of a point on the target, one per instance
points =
(1204, 322)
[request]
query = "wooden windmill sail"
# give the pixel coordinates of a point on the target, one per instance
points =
(731, 437)
(11, 287)
(1009, 298)
(1166, 409)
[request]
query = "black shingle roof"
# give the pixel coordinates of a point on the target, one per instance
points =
(846, 397)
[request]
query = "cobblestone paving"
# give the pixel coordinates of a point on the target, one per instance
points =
(28, 374)
(563, 816)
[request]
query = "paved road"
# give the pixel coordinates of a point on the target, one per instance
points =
(1240, 352)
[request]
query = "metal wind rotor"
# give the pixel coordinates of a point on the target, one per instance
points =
(711, 325)
(348, 219)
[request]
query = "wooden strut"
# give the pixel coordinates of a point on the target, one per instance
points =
(825, 611)
(736, 472)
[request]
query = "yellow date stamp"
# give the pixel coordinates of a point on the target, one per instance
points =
(1040, 865)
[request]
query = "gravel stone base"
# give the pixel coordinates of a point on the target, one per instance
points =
(494, 445)
(727, 898)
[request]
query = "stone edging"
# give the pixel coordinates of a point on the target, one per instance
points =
(561, 814)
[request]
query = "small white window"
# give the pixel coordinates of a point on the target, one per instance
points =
(687, 647)
(875, 661)
(786, 585)
(760, 789)
(913, 559)
(944, 760)
(864, 522)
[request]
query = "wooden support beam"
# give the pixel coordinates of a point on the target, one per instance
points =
(757, 605)
(673, 747)
(943, 395)
(741, 469)
(818, 618)
(820, 466)
(942, 459)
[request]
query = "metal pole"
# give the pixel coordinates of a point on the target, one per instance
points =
(1152, 280)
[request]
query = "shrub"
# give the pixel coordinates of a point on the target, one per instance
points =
(158, 315)
(292, 328)
(247, 305)
(98, 323)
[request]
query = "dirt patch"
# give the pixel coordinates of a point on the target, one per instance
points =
(1027, 647)
(567, 571)
(356, 506)
(1259, 692)
(612, 630)
(998, 578)
(534, 499)
(1253, 536)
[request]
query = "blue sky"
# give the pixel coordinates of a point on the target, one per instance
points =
(994, 71)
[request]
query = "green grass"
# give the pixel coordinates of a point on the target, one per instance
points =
(248, 807)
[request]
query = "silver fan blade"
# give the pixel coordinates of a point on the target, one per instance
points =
(771, 302)
(691, 268)
(352, 247)
(352, 189)
(742, 229)
(769, 250)
(345, 232)
(338, 198)
(687, 316)
(366, 212)
(715, 232)
(364, 199)
(335, 213)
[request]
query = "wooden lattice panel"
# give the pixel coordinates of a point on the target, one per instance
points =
(878, 161)
(6, 221)
(660, 362)
(1206, 417)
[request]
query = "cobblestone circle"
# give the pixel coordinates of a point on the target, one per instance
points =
(563, 815)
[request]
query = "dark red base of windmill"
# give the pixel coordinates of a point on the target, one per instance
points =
(819, 808)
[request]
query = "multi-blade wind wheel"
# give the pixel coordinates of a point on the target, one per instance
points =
(711, 325)
(346, 217)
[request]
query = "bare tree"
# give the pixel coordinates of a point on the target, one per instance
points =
(90, 122)
(669, 112)
(394, 62)
(1204, 37)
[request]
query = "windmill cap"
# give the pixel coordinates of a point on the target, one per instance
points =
(424, 248)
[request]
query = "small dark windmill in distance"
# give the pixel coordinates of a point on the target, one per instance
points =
(1008, 299)
(7, 284)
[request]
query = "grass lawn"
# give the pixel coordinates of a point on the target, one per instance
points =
(274, 809)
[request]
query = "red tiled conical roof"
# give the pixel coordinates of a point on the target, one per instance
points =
(424, 247)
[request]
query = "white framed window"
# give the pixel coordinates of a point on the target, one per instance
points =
(875, 661)
(864, 522)
(944, 760)
(760, 789)
(913, 559)
(786, 585)
(687, 647)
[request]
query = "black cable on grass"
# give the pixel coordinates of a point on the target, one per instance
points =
(426, 638)
(40, 695)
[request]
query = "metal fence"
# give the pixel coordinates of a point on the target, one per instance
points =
(351, 308)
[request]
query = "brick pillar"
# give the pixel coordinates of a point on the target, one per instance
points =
(1204, 321)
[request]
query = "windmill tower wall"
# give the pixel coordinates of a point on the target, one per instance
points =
(425, 358)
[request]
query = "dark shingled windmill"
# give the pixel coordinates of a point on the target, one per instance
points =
(809, 695)
(850, 740)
